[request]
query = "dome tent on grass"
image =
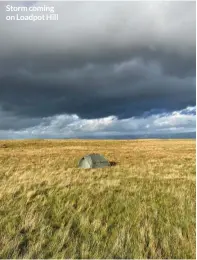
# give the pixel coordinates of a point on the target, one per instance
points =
(93, 161)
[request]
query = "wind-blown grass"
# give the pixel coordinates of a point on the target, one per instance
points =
(144, 207)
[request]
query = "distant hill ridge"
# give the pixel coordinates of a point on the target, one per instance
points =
(189, 135)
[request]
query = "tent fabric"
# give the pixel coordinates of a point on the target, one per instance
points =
(93, 161)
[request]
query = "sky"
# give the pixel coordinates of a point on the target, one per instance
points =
(102, 69)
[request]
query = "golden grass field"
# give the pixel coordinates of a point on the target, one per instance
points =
(144, 207)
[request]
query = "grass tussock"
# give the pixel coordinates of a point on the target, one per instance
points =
(142, 207)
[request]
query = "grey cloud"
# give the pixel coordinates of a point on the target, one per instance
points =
(100, 59)
(124, 89)
(9, 121)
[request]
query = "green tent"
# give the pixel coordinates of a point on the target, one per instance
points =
(93, 161)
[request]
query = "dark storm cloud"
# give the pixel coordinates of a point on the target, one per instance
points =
(100, 59)
(90, 95)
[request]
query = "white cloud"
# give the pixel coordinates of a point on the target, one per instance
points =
(63, 126)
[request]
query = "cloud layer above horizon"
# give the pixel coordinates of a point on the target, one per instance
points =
(71, 126)
(114, 67)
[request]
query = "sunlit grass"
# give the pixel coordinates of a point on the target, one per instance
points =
(144, 207)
